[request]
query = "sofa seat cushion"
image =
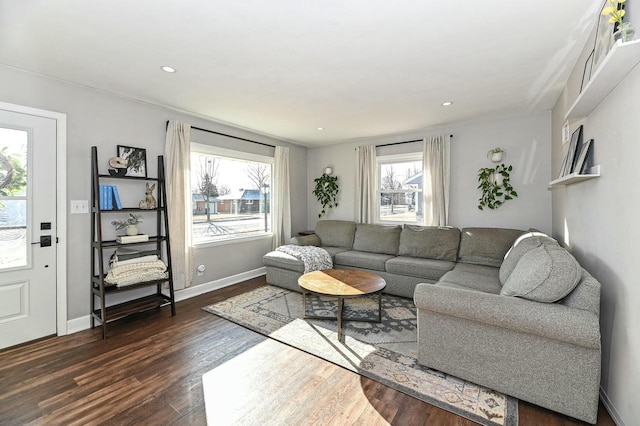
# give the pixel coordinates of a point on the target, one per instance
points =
(361, 259)
(282, 260)
(377, 238)
(489, 271)
(545, 274)
(472, 281)
(336, 233)
(334, 250)
(430, 269)
(430, 242)
(486, 246)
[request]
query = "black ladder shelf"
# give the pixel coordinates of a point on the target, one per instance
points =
(158, 244)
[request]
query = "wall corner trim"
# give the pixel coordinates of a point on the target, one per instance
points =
(610, 408)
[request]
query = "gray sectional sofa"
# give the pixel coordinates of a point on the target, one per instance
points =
(507, 309)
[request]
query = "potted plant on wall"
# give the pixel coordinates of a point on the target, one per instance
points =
(326, 191)
(495, 184)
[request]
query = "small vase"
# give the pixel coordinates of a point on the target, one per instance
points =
(132, 230)
(625, 32)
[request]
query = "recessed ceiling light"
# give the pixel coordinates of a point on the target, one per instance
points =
(320, 128)
(168, 69)
(447, 103)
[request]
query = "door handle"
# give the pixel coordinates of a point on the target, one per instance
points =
(45, 241)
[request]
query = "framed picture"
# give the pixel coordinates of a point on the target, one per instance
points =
(586, 73)
(576, 141)
(136, 160)
(581, 162)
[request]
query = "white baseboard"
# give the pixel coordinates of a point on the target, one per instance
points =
(84, 323)
(197, 290)
(610, 408)
(79, 324)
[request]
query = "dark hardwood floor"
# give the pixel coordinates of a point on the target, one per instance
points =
(150, 372)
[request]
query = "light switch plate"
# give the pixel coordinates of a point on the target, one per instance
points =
(79, 206)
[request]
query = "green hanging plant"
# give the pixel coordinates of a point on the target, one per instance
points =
(495, 184)
(326, 191)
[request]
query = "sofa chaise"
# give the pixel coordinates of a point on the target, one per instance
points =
(507, 309)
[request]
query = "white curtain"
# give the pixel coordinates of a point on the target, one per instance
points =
(436, 163)
(366, 184)
(178, 180)
(281, 201)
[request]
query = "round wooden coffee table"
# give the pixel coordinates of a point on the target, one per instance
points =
(341, 284)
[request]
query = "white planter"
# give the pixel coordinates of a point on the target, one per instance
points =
(131, 230)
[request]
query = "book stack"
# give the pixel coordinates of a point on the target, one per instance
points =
(127, 239)
(109, 197)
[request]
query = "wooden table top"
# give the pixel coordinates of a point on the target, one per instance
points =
(342, 282)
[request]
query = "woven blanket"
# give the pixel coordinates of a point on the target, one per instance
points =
(132, 273)
(314, 258)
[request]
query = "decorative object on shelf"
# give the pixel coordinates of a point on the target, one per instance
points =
(495, 184)
(625, 32)
(570, 158)
(326, 191)
(586, 73)
(130, 224)
(609, 19)
(136, 160)
(118, 172)
(581, 162)
(149, 202)
(496, 154)
(119, 165)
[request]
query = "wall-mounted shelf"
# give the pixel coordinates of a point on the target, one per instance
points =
(620, 60)
(594, 172)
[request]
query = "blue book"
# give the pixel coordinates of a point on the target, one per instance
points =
(103, 197)
(116, 197)
(109, 203)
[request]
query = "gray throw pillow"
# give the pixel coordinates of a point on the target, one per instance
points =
(430, 242)
(521, 246)
(545, 274)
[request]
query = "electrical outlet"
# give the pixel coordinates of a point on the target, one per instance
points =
(79, 206)
(201, 269)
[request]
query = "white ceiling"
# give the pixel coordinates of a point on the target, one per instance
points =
(358, 68)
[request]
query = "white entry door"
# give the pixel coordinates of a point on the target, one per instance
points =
(27, 218)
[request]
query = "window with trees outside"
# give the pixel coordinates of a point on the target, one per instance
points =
(400, 188)
(231, 194)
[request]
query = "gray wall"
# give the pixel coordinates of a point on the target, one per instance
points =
(96, 118)
(527, 141)
(596, 219)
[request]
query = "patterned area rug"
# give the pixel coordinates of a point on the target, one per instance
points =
(385, 352)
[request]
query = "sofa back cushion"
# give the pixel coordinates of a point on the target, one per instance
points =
(430, 242)
(486, 246)
(336, 233)
(545, 274)
(520, 247)
(377, 238)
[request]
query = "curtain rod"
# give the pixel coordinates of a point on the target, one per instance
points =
(400, 143)
(229, 136)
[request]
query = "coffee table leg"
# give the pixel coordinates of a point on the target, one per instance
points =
(304, 303)
(380, 307)
(340, 307)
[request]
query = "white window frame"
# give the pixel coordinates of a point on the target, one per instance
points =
(231, 154)
(391, 159)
